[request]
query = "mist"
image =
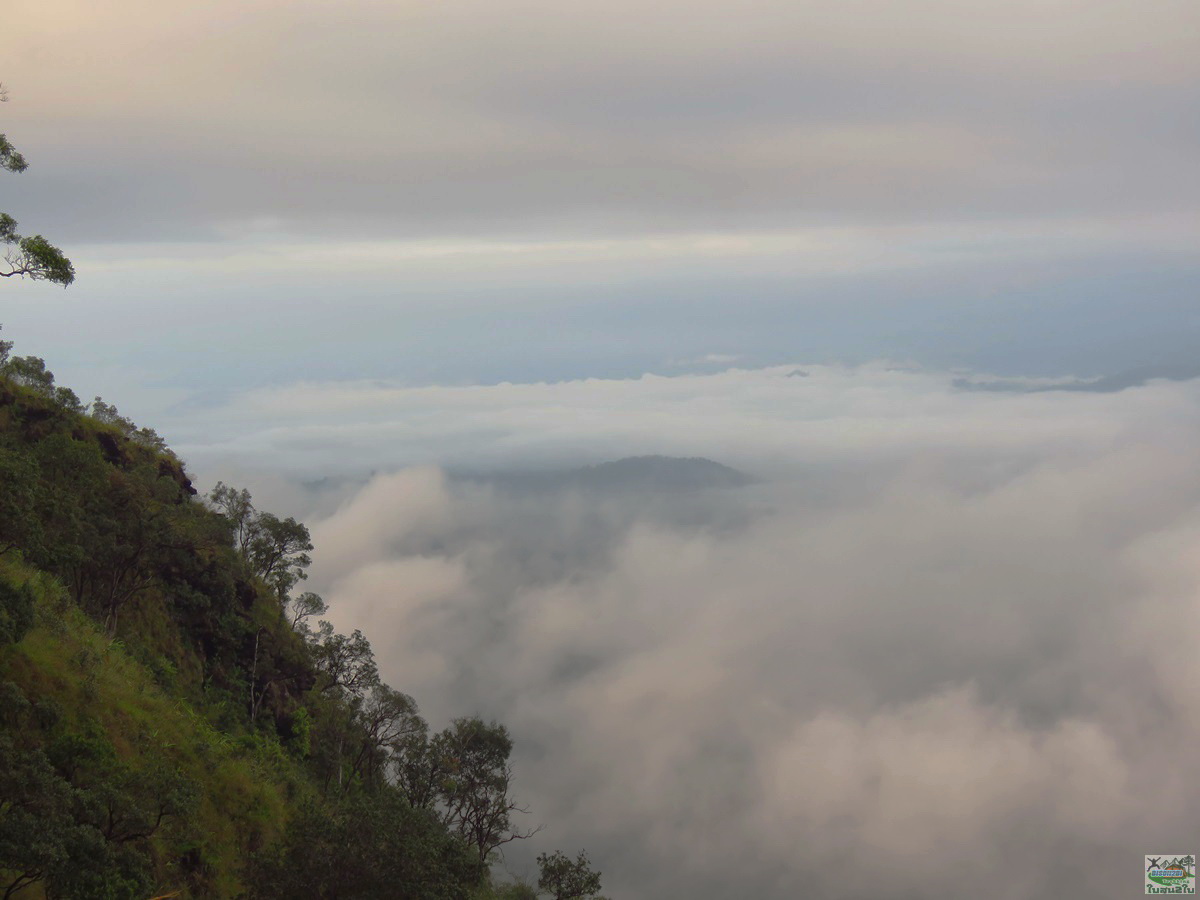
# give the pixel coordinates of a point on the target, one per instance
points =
(940, 645)
(782, 416)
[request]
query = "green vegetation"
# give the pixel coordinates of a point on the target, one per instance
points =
(175, 717)
(32, 257)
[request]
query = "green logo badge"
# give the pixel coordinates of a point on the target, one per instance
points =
(1171, 874)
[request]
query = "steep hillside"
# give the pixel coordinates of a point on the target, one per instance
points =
(177, 720)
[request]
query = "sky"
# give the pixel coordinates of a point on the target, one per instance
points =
(478, 192)
(926, 271)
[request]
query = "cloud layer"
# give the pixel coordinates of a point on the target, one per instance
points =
(743, 417)
(473, 191)
(531, 116)
(946, 643)
(944, 648)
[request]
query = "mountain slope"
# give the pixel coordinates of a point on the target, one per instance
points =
(172, 721)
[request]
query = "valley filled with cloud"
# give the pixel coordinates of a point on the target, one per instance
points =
(782, 416)
(939, 641)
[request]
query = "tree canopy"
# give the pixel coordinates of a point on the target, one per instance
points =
(31, 257)
(567, 879)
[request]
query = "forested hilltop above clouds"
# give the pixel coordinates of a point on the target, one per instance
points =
(177, 719)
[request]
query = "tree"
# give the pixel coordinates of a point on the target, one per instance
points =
(138, 522)
(346, 673)
(31, 372)
(146, 437)
(36, 825)
(345, 665)
(304, 607)
(567, 879)
(274, 549)
(388, 722)
(76, 820)
(514, 890)
(16, 611)
(238, 511)
(279, 551)
(32, 257)
(366, 846)
(470, 776)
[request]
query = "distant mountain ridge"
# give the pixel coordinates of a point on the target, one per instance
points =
(688, 472)
(1104, 384)
(655, 473)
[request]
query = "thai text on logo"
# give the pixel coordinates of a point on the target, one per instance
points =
(1170, 873)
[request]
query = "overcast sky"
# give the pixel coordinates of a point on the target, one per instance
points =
(466, 192)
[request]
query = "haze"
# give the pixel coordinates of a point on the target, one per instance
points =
(926, 272)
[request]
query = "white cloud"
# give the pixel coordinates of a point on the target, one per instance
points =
(945, 644)
(759, 417)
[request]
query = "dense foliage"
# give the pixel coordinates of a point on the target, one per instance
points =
(176, 719)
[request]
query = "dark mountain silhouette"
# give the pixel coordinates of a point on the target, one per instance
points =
(1105, 384)
(633, 473)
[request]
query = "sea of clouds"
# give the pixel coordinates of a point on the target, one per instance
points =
(943, 646)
